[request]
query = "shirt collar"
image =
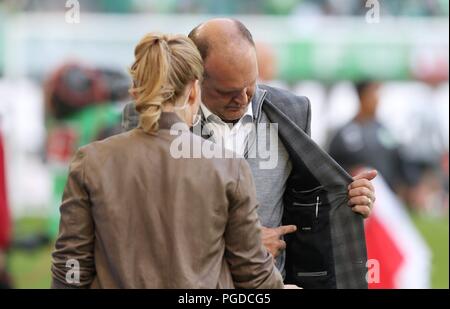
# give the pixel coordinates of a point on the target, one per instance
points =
(168, 119)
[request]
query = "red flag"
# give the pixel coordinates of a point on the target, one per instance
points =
(5, 220)
(395, 248)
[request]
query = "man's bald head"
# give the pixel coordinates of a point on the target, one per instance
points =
(231, 68)
(220, 33)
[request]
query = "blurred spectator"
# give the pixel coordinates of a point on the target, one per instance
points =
(267, 65)
(80, 108)
(267, 62)
(418, 115)
(414, 175)
(366, 142)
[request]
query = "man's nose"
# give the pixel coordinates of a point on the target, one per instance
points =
(242, 98)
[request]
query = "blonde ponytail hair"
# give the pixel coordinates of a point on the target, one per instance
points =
(163, 66)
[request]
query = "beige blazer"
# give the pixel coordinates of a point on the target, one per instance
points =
(133, 216)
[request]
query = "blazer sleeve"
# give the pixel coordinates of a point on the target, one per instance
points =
(251, 265)
(73, 256)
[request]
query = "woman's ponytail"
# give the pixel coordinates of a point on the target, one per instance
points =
(162, 68)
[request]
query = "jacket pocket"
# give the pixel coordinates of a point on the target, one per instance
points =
(306, 194)
(309, 217)
(305, 205)
(309, 257)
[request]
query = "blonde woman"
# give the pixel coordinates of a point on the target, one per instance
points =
(133, 216)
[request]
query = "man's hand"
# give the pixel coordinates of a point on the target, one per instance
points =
(271, 238)
(362, 193)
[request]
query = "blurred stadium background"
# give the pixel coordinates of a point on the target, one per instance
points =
(63, 83)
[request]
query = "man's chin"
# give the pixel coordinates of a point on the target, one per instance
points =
(231, 115)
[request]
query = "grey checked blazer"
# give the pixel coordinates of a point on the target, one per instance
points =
(328, 250)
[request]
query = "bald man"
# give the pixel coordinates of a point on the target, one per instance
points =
(304, 197)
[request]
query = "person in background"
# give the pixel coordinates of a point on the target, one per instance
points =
(82, 106)
(134, 216)
(365, 142)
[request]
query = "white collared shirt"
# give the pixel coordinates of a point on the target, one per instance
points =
(232, 137)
